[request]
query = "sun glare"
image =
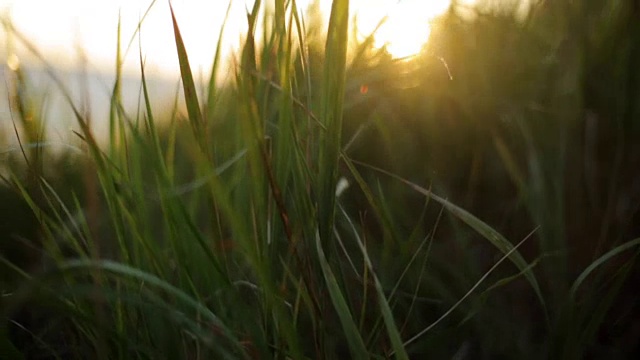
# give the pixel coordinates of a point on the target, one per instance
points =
(407, 26)
(64, 28)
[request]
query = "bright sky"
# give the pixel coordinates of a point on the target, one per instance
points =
(59, 28)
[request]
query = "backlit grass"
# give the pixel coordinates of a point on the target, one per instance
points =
(481, 219)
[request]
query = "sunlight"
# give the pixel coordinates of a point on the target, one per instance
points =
(66, 29)
(407, 27)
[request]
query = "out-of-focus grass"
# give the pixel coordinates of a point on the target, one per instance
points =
(220, 233)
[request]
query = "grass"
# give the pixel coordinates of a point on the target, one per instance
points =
(220, 233)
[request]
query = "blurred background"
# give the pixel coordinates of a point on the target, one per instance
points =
(79, 38)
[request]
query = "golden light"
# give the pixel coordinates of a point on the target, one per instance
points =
(62, 29)
(407, 27)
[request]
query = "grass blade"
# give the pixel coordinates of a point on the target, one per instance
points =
(130, 272)
(212, 89)
(473, 288)
(494, 237)
(600, 261)
(387, 315)
(356, 344)
(189, 87)
(331, 115)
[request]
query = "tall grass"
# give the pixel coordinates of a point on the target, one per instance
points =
(223, 234)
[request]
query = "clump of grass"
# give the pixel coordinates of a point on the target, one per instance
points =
(224, 236)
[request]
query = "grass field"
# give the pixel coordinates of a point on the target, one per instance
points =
(480, 200)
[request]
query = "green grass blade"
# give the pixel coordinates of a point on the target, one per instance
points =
(189, 87)
(332, 99)
(213, 86)
(482, 228)
(387, 315)
(150, 121)
(149, 279)
(473, 288)
(597, 316)
(116, 93)
(600, 261)
(356, 344)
